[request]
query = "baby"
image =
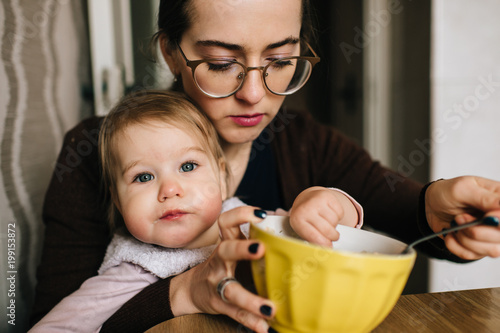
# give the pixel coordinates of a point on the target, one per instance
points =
(165, 173)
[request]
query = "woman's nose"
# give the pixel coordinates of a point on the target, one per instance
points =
(253, 89)
(170, 188)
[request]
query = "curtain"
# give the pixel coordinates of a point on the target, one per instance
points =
(44, 67)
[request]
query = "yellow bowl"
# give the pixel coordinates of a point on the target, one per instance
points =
(351, 288)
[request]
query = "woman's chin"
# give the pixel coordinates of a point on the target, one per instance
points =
(241, 136)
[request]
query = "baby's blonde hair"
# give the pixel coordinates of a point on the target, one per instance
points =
(168, 107)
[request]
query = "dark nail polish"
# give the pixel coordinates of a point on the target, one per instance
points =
(260, 213)
(491, 220)
(271, 330)
(253, 248)
(266, 310)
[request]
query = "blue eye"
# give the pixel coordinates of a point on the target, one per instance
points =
(188, 166)
(144, 177)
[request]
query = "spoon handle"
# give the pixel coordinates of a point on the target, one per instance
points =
(488, 220)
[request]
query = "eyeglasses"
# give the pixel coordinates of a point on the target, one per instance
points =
(221, 78)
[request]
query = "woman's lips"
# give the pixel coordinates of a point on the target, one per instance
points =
(248, 120)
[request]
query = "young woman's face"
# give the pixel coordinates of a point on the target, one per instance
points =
(169, 187)
(253, 33)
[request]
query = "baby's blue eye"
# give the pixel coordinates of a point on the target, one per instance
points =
(188, 166)
(144, 177)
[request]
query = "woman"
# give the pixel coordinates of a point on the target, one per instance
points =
(273, 156)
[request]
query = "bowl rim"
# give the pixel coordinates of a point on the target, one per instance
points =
(305, 244)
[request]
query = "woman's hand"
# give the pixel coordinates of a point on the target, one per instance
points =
(317, 211)
(195, 291)
(465, 199)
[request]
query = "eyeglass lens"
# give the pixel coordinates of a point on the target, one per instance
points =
(282, 76)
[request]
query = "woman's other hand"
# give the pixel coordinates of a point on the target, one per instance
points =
(465, 199)
(195, 291)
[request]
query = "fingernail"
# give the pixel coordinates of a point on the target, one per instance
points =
(266, 310)
(271, 330)
(253, 248)
(260, 213)
(491, 220)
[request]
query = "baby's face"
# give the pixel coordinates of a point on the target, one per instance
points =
(169, 187)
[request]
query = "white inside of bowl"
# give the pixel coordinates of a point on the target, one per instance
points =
(356, 240)
(351, 239)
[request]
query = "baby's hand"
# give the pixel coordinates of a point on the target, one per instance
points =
(317, 211)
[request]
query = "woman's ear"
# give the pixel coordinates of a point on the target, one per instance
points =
(168, 54)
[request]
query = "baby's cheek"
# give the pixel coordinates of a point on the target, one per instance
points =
(212, 212)
(137, 222)
(209, 201)
(138, 229)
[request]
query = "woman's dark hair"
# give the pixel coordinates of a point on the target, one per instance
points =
(174, 19)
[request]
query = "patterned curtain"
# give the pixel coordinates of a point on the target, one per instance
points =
(44, 67)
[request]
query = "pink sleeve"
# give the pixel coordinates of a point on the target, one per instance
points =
(358, 207)
(98, 298)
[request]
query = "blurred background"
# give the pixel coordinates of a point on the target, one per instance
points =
(415, 82)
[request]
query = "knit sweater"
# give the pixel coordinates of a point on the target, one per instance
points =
(306, 153)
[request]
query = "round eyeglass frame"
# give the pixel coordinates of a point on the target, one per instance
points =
(194, 63)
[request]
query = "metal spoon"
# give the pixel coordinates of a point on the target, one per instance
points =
(488, 220)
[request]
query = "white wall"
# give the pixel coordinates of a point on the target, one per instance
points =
(465, 93)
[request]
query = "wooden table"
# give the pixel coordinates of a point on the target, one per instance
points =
(475, 311)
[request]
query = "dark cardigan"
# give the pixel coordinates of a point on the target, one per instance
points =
(306, 154)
